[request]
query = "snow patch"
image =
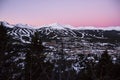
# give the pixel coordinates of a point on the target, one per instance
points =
(69, 26)
(25, 26)
(54, 26)
(6, 24)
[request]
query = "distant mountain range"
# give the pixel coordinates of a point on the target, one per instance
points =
(55, 31)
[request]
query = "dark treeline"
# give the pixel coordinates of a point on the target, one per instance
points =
(29, 62)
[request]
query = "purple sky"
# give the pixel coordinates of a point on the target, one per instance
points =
(73, 12)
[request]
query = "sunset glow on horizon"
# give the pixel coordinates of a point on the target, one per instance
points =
(74, 12)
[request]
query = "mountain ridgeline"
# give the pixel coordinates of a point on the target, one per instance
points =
(23, 33)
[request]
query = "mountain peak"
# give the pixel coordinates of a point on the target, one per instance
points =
(6, 24)
(55, 26)
(24, 26)
(69, 26)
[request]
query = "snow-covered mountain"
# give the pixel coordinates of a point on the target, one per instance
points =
(23, 32)
(20, 32)
(55, 30)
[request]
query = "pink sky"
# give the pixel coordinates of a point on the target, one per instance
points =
(73, 12)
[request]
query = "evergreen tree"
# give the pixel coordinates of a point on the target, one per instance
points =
(9, 69)
(3, 45)
(104, 66)
(105, 58)
(36, 68)
(3, 41)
